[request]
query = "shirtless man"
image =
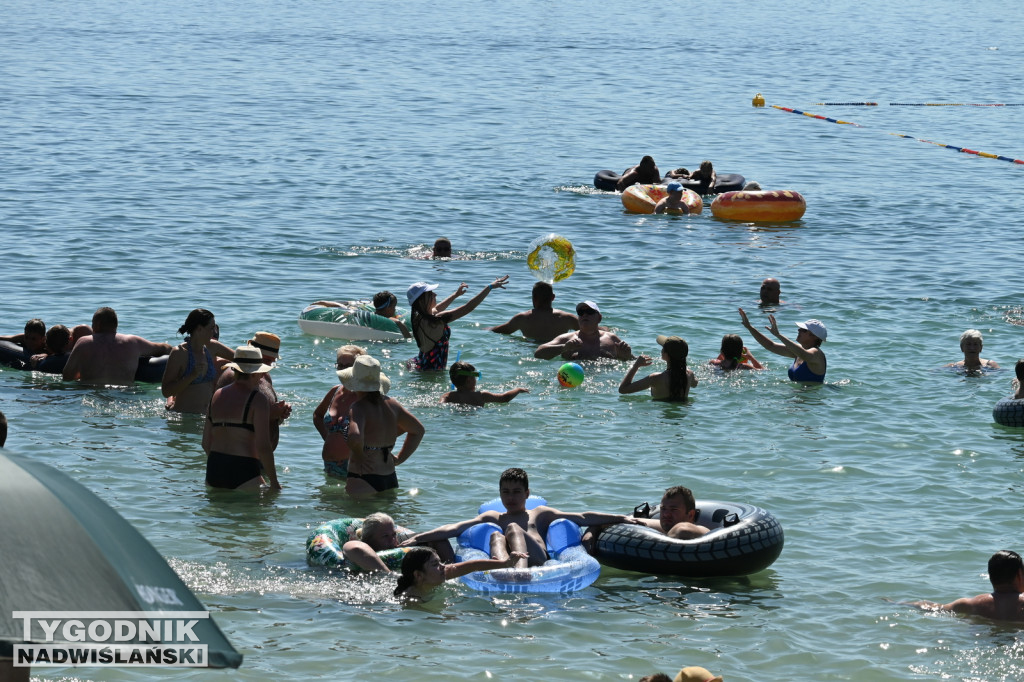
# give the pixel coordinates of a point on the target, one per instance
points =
(33, 340)
(1005, 602)
(589, 343)
(646, 172)
(523, 530)
(676, 517)
(673, 203)
(107, 357)
(544, 322)
(771, 289)
(971, 344)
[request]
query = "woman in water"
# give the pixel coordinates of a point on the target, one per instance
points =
(236, 437)
(734, 355)
(430, 320)
(809, 362)
(375, 422)
(330, 418)
(190, 372)
(422, 571)
(672, 384)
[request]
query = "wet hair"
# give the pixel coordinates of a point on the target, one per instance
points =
(647, 162)
(104, 320)
(35, 326)
(58, 338)
(442, 244)
(732, 347)
(703, 174)
(543, 294)
(1003, 567)
(373, 523)
(414, 560)
(350, 349)
(515, 475)
(384, 299)
(686, 493)
(3, 429)
(970, 334)
(455, 372)
(676, 352)
(1019, 370)
(200, 317)
(80, 330)
(656, 677)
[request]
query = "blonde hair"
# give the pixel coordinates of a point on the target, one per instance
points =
(351, 349)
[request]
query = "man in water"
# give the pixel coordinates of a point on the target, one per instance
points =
(107, 357)
(33, 340)
(589, 343)
(522, 530)
(1005, 602)
(673, 203)
(770, 292)
(971, 345)
(544, 322)
(676, 517)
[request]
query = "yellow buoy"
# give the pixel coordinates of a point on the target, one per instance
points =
(758, 100)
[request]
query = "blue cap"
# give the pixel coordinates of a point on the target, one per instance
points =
(675, 187)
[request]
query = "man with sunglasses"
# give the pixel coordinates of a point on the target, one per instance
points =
(589, 343)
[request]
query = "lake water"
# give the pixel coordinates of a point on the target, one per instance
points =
(253, 157)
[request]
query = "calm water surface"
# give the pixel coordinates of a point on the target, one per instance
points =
(250, 158)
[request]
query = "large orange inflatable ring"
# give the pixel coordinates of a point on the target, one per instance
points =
(643, 198)
(775, 206)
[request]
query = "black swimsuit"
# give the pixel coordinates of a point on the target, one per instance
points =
(230, 471)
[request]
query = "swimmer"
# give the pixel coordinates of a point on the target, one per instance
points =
(646, 172)
(589, 343)
(1018, 383)
(544, 322)
(673, 203)
(430, 320)
(331, 417)
(705, 175)
(375, 422)
(385, 304)
(971, 345)
(107, 357)
(771, 289)
(676, 516)
(78, 331)
(734, 355)
(1005, 602)
(58, 350)
(522, 530)
(188, 380)
(32, 340)
(752, 186)
(442, 248)
(672, 384)
(809, 362)
(464, 376)
(423, 571)
(695, 673)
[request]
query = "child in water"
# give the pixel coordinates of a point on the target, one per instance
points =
(734, 355)
(464, 376)
(422, 571)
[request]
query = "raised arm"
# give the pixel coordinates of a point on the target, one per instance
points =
(811, 356)
(472, 303)
(443, 305)
(628, 385)
(765, 342)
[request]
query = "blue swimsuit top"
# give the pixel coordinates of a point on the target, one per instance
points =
(211, 369)
(802, 372)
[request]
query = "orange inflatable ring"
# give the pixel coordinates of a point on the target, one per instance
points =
(643, 198)
(775, 206)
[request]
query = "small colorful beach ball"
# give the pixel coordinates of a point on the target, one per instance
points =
(570, 375)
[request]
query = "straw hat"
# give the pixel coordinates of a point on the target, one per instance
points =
(248, 360)
(364, 375)
(269, 343)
